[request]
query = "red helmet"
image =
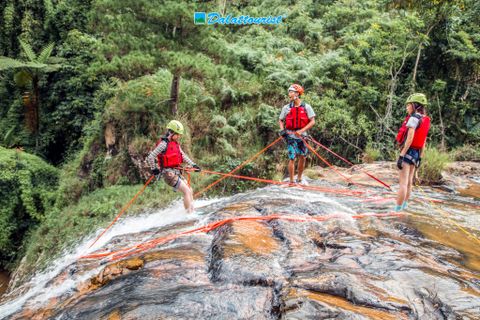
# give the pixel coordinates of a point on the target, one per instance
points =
(297, 88)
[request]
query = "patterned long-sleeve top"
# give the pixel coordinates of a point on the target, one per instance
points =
(162, 146)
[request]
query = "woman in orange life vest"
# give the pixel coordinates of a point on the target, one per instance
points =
(411, 138)
(294, 121)
(167, 157)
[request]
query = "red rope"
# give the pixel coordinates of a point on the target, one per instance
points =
(348, 162)
(306, 187)
(327, 163)
(238, 167)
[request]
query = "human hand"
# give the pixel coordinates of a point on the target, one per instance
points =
(283, 133)
(400, 163)
(418, 162)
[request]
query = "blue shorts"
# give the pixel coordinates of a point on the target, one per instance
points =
(412, 156)
(296, 147)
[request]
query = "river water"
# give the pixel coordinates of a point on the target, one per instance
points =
(321, 255)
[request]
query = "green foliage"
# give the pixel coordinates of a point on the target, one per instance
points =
(36, 63)
(63, 227)
(27, 192)
(467, 153)
(69, 104)
(371, 154)
(356, 60)
(28, 51)
(267, 121)
(146, 95)
(433, 163)
(222, 132)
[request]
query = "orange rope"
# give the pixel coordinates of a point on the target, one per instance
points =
(237, 168)
(306, 187)
(123, 210)
(128, 251)
(348, 162)
(327, 163)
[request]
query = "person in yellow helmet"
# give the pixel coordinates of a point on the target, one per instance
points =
(411, 139)
(167, 157)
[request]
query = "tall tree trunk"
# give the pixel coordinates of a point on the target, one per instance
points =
(392, 88)
(174, 92)
(443, 147)
(36, 107)
(29, 114)
(420, 47)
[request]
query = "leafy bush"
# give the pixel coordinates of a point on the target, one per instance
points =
(27, 192)
(467, 153)
(64, 227)
(433, 163)
(371, 154)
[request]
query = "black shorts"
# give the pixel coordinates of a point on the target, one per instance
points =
(412, 156)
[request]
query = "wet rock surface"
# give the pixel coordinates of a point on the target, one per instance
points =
(417, 266)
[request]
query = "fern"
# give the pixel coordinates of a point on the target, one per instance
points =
(46, 52)
(8, 16)
(27, 49)
(49, 10)
(9, 63)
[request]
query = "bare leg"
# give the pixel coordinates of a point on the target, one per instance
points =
(403, 183)
(291, 169)
(301, 166)
(411, 175)
(187, 196)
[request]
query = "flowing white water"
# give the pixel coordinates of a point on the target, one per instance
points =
(40, 289)
(37, 287)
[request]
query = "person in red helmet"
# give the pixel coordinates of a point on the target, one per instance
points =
(294, 121)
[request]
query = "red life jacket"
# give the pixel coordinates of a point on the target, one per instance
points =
(171, 157)
(297, 118)
(420, 135)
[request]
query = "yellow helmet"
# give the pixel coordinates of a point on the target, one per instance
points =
(418, 98)
(176, 126)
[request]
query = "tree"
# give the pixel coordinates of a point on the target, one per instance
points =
(28, 78)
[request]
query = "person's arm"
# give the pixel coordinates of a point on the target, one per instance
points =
(281, 119)
(152, 156)
(420, 158)
(186, 158)
(408, 141)
(310, 124)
